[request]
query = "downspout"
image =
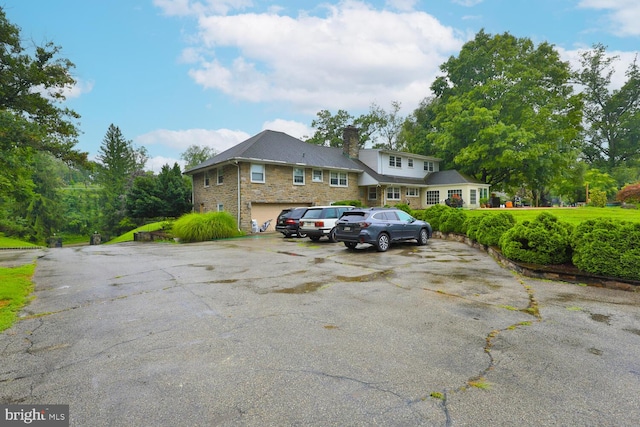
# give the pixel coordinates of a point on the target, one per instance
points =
(238, 190)
(193, 195)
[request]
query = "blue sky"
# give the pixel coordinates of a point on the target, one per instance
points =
(171, 73)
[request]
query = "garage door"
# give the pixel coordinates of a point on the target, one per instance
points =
(262, 212)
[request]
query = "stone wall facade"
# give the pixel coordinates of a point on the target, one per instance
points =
(278, 188)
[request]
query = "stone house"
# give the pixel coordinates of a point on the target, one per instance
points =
(270, 171)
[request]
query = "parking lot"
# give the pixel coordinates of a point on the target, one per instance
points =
(267, 331)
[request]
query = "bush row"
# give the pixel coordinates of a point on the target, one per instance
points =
(602, 246)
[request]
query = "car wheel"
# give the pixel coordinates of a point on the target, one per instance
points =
(314, 238)
(382, 244)
(332, 235)
(423, 237)
(350, 245)
(301, 235)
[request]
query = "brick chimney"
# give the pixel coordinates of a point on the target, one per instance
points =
(350, 142)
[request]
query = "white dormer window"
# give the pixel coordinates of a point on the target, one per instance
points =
(410, 163)
(395, 161)
(428, 166)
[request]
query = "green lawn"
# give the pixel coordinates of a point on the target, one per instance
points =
(7, 242)
(128, 237)
(15, 287)
(571, 215)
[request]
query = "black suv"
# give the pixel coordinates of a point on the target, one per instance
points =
(288, 222)
(379, 227)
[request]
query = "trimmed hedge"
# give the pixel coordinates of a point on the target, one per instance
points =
(471, 226)
(545, 240)
(493, 226)
(452, 221)
(608, 247)
(432, 215)
(197, 227)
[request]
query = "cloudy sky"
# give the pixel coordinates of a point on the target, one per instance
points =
(171, 73)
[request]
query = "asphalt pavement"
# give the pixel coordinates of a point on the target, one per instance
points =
(267, 331)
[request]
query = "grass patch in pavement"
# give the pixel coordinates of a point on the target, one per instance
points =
(15, 288)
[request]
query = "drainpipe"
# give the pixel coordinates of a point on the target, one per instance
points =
(238, 190)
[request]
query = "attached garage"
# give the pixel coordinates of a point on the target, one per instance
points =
(263, 212)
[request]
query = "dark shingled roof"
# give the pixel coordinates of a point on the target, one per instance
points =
(450, 177)
(277, 147)
(391, 179)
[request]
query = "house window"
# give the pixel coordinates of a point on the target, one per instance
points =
(451, 193)
(220, 176)
(410, 163)
(257, 173)
(395, 161)
(412, 192)
(316, 175)
(298, 176)
(338, 179)
(433, 197)
(393, 193)
(220, 207)
(373, 193)
(207, 179)
(428, 166)
(472, 197)
(484, 193)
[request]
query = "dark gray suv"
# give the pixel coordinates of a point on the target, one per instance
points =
(380, 227)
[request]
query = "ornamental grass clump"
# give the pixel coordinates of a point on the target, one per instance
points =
(545, 240)
(197, 227)
(493, 226)
(608, 247)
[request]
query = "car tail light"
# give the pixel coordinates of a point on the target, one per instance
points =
(290, 221)
(319, 224)
(364, 224)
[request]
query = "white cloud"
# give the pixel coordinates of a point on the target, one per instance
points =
(623, 15)
(219, 140)
(155, 164)
(190, 7)
(81, 87)
(347, 58)
(402, 5)
(467, 3)
(290, 127)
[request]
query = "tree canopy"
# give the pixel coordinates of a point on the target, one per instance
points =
(33, 125)
(505, 112)
(612, 118)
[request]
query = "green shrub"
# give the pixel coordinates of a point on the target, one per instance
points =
(404, 207)
(493, 226)
(471, 225)
(545, 240)
(598, 198)
(607, 247)
(432, 215)
(452, 221)
(197, 227)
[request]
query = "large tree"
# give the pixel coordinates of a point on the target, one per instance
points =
(380, 127)
(166, 195)
(33, 80)
(118, 162)
(196, 154)
(505, 112)
(612, 117)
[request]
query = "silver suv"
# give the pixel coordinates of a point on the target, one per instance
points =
(320, 221)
